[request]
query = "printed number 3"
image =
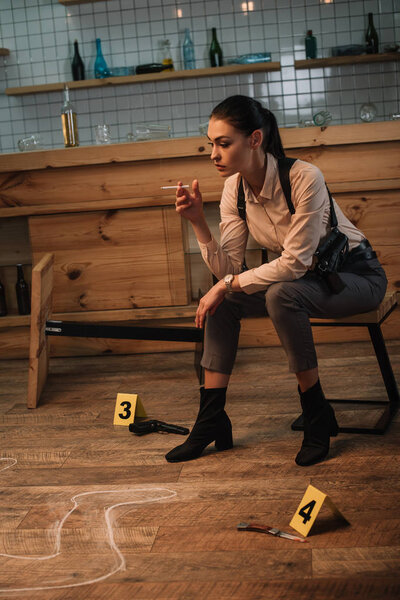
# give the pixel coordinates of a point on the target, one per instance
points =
(127, 410)
(306, 511)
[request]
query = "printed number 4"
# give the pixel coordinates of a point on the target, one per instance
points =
(127, 410)
(306, 511)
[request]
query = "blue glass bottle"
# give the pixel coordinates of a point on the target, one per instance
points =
(100, 66)
(189, 60)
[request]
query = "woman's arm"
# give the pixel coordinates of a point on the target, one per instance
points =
(210, 301)
(226, 257)
(190, 206)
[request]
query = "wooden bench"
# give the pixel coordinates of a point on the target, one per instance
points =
(42, 326)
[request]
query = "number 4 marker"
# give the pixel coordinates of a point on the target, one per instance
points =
(308, 510)
(127, 407)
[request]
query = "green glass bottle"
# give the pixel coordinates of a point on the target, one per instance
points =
(78, 68)
(216, 57)
(371, 36)
(311, 45)
(22, 290)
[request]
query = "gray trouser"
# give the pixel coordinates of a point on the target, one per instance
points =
(290, 304)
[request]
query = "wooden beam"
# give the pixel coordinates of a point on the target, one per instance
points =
(42, 287)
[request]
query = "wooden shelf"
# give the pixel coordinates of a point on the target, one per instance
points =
(163, 76)
(4, 52)
(196, 146)
(315, 63)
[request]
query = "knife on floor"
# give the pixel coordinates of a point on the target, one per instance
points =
(272, 530)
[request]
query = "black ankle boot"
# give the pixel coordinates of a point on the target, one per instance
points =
(319, 424)
(212, 424)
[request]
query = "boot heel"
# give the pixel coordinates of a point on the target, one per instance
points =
(334, 430)
(224, 442)
(223, 437)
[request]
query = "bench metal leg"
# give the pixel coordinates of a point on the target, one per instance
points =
(390, 406)
(385, 366)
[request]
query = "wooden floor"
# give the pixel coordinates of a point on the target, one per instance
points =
(90, 511)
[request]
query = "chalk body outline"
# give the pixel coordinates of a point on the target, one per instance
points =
(121, 563)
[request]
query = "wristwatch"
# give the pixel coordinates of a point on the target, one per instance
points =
(228, 279)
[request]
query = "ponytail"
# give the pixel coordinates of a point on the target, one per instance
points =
(246, 115)
(272, 142)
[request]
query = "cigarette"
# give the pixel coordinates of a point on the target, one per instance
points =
(173, 187)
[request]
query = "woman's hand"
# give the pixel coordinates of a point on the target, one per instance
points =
(189, 204)
(210, 302)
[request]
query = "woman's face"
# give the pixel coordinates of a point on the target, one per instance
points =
(232, 151)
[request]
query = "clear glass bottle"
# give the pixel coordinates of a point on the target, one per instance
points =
(77, 66)
(166, 55)
(69, 122)
(22, 291)
(371, 37)
(311, 45)
(189, 61)
(216, 56)
(101, 69)
(3, 303)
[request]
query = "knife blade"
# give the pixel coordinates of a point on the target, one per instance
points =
(271, 530)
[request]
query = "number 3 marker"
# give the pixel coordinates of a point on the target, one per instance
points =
(127, 407)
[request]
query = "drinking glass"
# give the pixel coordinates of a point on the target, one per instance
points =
(103, 134)
(368, 112)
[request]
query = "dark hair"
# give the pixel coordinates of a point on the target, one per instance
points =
(246, 115)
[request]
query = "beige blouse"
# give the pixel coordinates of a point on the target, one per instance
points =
(293, 237)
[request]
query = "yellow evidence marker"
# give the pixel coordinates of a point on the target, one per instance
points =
(308, 509)
(127, 407)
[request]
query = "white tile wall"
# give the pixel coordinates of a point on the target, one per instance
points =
(40, 35)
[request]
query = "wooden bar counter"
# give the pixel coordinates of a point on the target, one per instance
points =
(122, 253)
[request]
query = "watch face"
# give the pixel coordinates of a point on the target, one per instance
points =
(228, 281)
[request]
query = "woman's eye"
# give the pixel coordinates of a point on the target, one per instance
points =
(220, 144)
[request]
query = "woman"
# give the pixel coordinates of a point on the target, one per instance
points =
(246, 144)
